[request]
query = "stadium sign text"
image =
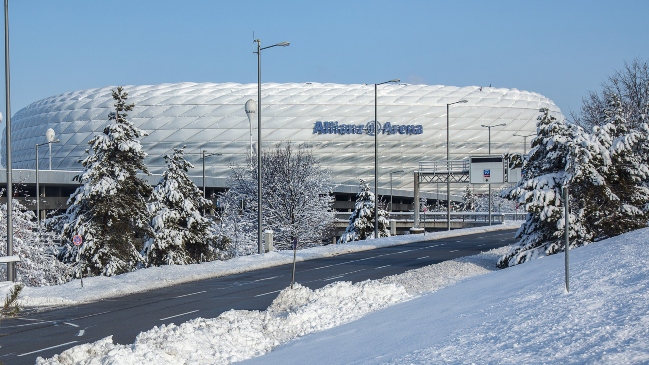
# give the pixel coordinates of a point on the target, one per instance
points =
(389, 128)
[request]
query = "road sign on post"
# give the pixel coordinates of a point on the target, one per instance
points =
(487, 169)
(77, 240)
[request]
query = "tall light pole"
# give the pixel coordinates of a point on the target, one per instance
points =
(391, 173)
(489, 127)
(448, 166)
(524, 141)
(259, 215)
(50, 140)
(376, 159)
(10, 230)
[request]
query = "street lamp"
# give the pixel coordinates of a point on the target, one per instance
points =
(391, 173)
(376, 160)
(11, 275)
(489, 127)
(50, 139)
(448, 167)
(524, 140)
(259, 216)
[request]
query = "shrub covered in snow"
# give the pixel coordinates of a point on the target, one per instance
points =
(38, 264)
(296, 201)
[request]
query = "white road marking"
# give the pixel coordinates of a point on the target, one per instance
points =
(47, 348)
(453, 251)
(186, 295)
(261, 295)
(81, 333)
(380, 267)
(178, 315)
(273, 277)
(70, 324)
(419, 258)
(341, 275)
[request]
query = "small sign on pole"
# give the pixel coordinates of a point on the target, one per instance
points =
(76, 239)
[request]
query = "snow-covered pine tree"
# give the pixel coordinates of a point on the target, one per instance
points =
(622, 203)
(38, 264)
(181, 235)
(469, 200)
(361, 222)
(296, 200)
(109, 210)
(540, 191)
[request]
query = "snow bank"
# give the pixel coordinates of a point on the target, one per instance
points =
(102, 287)
(237, 334)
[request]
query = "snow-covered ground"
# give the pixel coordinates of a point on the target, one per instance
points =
(517, 315)
(101, 287)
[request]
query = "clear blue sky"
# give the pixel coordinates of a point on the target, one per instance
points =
(561, 49)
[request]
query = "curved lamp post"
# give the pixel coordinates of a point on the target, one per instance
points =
(489, 127)
(448, 167)
(376, 160)
(259, 216)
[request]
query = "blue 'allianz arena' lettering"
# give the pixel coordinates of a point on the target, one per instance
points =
(321, 127)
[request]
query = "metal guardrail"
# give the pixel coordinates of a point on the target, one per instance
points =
(441, 216)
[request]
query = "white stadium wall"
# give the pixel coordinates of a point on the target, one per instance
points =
(332, 119)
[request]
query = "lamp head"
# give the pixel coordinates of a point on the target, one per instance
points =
(283, 44)
(395, 80)
(463, 101)
(251, 106)
(49, 135)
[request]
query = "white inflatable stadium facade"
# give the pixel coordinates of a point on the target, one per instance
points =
(335, 121)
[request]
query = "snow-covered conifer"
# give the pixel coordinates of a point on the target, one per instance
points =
(38, 264)
(620, 204)
(540, 190)
(361, 222)
(469, 200)
(109, 209)
(181, 234)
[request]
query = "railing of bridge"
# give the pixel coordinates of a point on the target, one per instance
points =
(444, 167)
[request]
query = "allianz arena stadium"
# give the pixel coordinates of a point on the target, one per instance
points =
(335, 121)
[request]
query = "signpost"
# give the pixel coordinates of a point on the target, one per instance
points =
(294, 257)
(77, 240)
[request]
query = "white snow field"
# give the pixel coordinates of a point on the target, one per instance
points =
(518, 315)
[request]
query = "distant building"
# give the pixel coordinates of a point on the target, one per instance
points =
(335, 121)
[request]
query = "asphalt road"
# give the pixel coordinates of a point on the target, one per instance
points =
(50, 332)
